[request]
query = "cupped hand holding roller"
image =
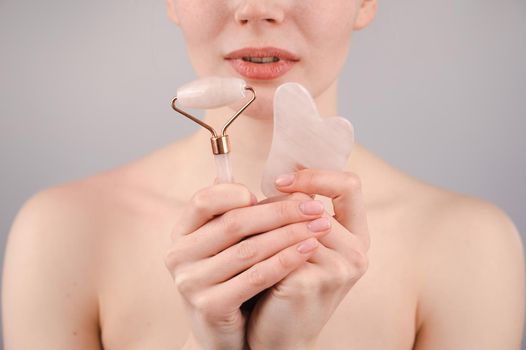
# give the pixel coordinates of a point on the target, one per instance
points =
(280, 246)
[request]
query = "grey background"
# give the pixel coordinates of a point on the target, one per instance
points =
(85, 86)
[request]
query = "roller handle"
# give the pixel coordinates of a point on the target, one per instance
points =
(224, 168)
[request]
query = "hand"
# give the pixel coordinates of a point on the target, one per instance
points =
(225, 250)
(292, 313)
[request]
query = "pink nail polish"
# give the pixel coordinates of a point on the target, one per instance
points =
(308, 245)
(319, 225)
(312, 207)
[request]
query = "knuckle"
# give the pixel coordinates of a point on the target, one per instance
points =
(360, 262)
(230, 222)
(172, 259)
(308, 177)
(255, 277)
(242, 193)
(212, 311)
(289, 230)
(202, 304)
(343, 275)
(352, 181)
(200, 201)
(246, 196)
(340, 278)
(307, 285)
(282, 210)
(184, 281)
(295, 232)
(245, 249)
(285, 262)
(230, 320)
(299, 289)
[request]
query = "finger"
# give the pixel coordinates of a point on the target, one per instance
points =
(209, 202)
(264, 274)
(340, 240)
(344, 188)
(237, 224)
(338, 268)
(243, 255)
(291, 196)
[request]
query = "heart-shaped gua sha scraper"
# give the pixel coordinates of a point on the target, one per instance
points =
(302, 138)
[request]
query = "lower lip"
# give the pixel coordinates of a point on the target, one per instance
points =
(261, 71)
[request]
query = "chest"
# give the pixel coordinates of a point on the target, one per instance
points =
(140, 307)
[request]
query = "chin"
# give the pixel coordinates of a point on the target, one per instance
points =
(262, 107)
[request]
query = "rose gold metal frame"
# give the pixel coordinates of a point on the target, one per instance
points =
(220, 143)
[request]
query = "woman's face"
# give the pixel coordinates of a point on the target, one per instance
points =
(305, 41)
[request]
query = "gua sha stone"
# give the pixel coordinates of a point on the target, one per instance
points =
(302, 138)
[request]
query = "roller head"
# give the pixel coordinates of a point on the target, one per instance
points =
(211, 92)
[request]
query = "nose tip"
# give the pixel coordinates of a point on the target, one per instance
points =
(258, 11)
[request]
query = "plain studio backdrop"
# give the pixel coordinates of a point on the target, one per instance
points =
(437, 88)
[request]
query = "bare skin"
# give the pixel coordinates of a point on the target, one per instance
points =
(85, 261)
(87, 257)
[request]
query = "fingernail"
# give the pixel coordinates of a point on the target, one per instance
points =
(318, 225)
(308, 245)
(311, 207)
(284, 180)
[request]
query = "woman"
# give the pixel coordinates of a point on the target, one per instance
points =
(153, 255)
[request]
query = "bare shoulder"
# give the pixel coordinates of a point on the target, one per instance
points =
(75, 213)
(70, 210)
(50, 276)
(469, 261)
(471, 272)
(60, 218)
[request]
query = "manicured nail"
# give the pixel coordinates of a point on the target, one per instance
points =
(284, 180)
(308, 245)
(318, 225)
(311, 207)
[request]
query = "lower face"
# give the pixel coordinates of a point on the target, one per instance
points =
(316, 32)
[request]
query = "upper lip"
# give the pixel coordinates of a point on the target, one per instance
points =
(268, 51)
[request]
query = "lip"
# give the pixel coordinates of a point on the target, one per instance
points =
(265, 71)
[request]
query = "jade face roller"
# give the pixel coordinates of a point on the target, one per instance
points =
(208, 93)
